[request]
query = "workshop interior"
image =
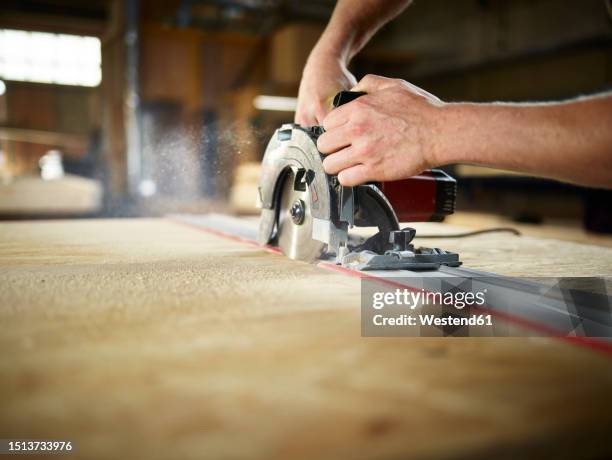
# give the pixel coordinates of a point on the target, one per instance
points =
(166, 106)
(180, 277)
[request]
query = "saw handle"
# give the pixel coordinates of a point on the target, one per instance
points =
(344, 97)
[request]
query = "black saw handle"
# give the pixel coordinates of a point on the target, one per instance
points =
(344, 97)
(339, 99)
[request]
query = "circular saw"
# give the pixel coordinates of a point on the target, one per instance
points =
(308, 213)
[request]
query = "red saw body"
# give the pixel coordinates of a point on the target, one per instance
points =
(430, 196)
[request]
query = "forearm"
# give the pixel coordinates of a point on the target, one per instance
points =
(570, 141)
(353, 24)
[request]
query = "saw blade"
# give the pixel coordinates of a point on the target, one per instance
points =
(295, 223)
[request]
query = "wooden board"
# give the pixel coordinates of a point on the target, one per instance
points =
(148, 339)
(69, 195)
(565, 230)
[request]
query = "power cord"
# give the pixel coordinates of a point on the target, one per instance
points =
(514, 231)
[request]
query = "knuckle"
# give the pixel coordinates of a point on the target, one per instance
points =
(358, 152)
(358, 128)
(360, 105)
(360, 117)
(344, 178)
(363, 150)
(370, 77)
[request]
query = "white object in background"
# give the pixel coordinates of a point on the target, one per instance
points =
(147, 188)
(278, 103)
(51, 166)
(2, 88)
(50, 58)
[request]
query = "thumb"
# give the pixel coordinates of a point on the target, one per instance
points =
(371, 83)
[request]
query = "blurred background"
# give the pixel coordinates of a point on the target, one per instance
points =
(137, 108)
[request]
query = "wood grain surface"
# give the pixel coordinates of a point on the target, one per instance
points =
(148, 339)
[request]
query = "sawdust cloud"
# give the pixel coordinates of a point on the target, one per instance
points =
(188, 168)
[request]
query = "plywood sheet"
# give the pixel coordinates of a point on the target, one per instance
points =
(148, 339)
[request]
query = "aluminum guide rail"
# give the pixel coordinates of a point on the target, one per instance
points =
(553, 309)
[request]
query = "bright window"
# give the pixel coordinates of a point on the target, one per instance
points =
(50, 58)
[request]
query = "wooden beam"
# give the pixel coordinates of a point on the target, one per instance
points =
(72, 143)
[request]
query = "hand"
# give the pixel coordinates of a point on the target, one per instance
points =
(391, 133)
(323, 77)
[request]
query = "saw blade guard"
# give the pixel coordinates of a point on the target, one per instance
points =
(292, 151)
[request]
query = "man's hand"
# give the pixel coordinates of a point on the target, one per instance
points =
(324, 76)
(351, 26)
(389, 134)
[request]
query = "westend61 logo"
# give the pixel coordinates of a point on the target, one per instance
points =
(412, 298)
